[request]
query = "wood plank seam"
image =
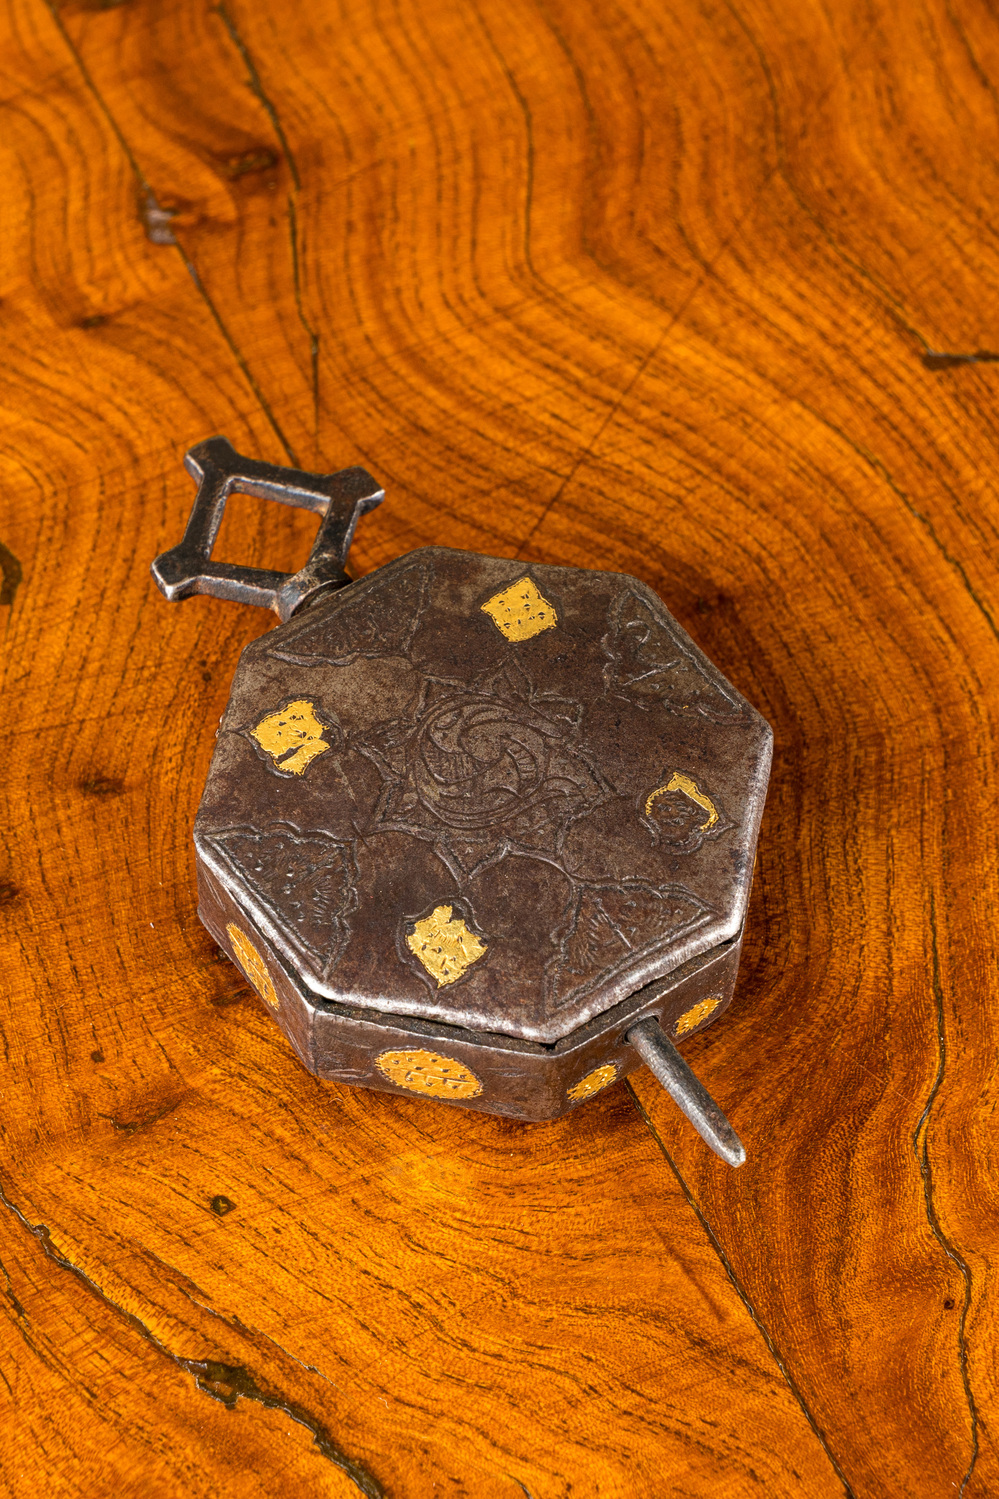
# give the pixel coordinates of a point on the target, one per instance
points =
(226, 1383)
(742, 1294)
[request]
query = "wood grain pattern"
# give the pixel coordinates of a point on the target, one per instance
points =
(685, 291)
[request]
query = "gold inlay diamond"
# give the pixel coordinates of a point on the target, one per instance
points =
(293, 736)
(693, 1017)
(593, 1082)
(445, 947)
(428, 1073)
(520, 611)
(680, 782)
(252, 965)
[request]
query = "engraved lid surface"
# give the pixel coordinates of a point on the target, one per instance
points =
(497, 794)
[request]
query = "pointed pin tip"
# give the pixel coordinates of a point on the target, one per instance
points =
(734, 1155)
(687, 1092)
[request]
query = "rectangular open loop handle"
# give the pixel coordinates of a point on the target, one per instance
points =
(340, 498)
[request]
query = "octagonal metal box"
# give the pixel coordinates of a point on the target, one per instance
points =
(474, 829)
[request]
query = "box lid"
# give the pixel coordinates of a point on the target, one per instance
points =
(496, 794)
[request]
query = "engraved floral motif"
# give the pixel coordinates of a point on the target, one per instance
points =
(647, 663)
(484, 768)
(611, 927)
(539, 792)
(375, 618)
(305, 881)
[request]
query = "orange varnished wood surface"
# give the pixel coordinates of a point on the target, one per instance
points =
(646, 286)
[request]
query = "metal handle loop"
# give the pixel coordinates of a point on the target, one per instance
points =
(220, 471)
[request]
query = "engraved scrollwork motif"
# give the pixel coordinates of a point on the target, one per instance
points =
(647, 663)
(460, 789)
(305, 881)
(484, 768)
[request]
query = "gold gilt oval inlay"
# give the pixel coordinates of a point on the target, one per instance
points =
(692, 1018)
(252, 964)
(599, 1078)
(428, 1073)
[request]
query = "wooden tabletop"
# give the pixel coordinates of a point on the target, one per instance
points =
(704, 292)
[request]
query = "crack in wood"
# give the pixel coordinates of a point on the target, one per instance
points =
(643, 364)
(149, 196)
(133, 1126)
(256, 87)
(743, 1295)
(227, 1383)
(156, 219)
(312, 333)
(19, 1309)
(10, 575)
(920, 1149)
(934, 361)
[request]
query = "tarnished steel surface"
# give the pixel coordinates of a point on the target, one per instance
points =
(486, 794)
(688, 1093)
(480, 1070)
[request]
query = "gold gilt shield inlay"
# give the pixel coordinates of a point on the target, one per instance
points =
(428, 1073)
(293, 736)
(693, 1017)
(445, 947)
(252, 965)
(679, 782)
(592, 1083)
(520, 611)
